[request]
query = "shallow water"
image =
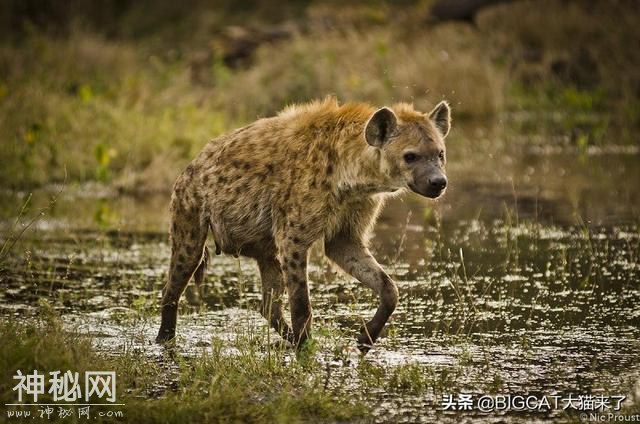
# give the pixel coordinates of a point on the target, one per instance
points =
(524, 279)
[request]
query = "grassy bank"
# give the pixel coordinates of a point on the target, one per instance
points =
(243, 387)
(251, 378)
(124, 96)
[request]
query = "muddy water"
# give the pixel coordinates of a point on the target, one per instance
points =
(524, 279)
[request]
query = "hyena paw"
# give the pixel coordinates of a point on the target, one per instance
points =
(165, 336)
(365, 344)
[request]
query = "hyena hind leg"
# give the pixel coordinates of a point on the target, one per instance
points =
(272, 307)
(188, 235)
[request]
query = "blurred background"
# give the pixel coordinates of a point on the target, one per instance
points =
(126, 92)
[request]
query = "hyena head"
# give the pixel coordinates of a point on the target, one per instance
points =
(412, 147)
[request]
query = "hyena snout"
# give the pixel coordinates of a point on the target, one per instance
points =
(435, 186)
(431, 185)
(438, 183)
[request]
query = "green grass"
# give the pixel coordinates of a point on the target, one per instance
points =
(247, 379)
(104, 114)
(216, 386)
(131, 109)
(582, 115)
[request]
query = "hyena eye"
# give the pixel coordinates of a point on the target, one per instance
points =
(410, 157)
(441, 155)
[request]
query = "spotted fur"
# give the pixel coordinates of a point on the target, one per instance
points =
(318, 171)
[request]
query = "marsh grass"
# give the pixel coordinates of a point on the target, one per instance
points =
(119, 102)
(232, 381)
(236, 379)
(239, 372)
(243, 386)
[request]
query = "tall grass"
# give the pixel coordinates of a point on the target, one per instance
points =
(245, 386)
(131, 109)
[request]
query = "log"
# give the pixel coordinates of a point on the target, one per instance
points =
(460, 10)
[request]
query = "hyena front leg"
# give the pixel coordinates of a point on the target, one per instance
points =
(292, 254)
(353, 257)
(188, 235)
(272, 291)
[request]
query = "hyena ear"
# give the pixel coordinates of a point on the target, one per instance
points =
(441, 117)
(380, 127)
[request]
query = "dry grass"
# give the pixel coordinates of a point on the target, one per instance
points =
(373, 66)
(128, 110)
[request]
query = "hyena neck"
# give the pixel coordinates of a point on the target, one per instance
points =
(361, 173)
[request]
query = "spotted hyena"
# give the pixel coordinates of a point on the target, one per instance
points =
(318, 171)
